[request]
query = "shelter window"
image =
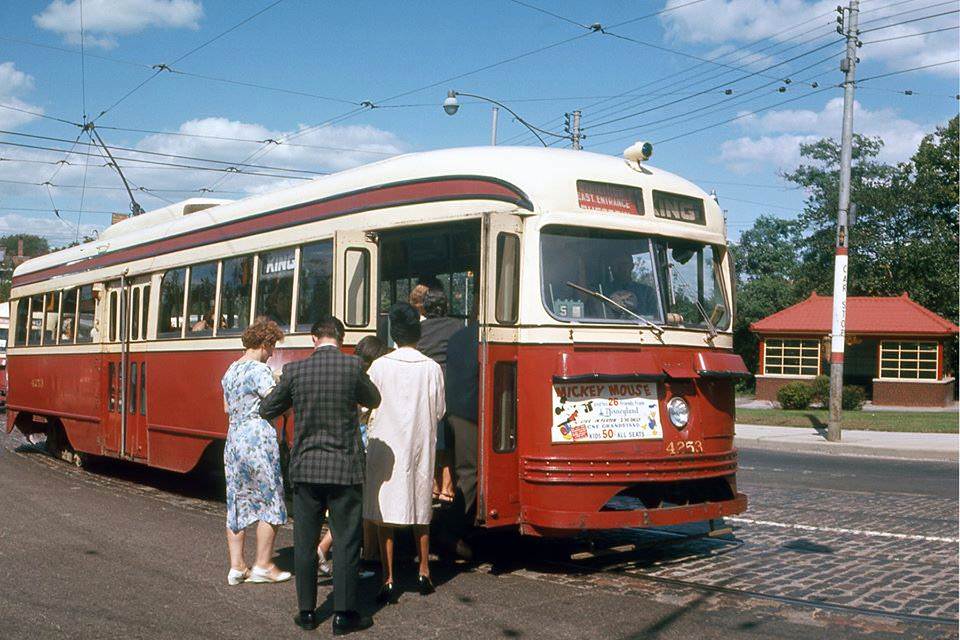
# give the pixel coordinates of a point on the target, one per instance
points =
(68, 316)
(275, 286)
(23, 315)
(316, 277)
(909, 360)
(87, 315)
(201, 298)
(791, 357)
(236, 285)
(170, 316)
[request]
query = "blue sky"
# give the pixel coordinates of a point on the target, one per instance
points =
(342, 54)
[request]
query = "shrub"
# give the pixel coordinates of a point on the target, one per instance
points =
(852, 398)
(820, 390)
(795, 395)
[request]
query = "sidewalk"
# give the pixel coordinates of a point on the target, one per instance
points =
(879, 444)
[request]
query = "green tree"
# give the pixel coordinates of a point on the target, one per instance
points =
(904, 238)
(32, 246)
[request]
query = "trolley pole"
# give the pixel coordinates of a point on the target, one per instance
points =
(838, 334)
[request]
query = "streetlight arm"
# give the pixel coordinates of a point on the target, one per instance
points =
(534, 130)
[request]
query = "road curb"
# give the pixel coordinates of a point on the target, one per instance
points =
(845, 449)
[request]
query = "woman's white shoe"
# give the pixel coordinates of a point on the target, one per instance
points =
(259, 576)
(235, 577)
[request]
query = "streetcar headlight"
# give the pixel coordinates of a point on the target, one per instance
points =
(679, 412)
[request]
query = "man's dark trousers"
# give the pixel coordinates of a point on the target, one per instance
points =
(345, 503)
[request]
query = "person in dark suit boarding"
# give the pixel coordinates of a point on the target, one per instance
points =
(326, 467)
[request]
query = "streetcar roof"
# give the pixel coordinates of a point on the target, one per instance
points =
(547, 177)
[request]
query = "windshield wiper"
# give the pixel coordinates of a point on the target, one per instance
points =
(711, 329)
(596, 294)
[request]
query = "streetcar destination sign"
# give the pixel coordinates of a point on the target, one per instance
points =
(609, 411)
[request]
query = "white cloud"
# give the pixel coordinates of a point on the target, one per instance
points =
(14, 83)
(738, 22)
(58, 232)
(783, 131)
(103, 19)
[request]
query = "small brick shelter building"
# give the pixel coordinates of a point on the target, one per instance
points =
(894, 349)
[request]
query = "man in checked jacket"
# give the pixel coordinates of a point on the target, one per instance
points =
(326, 467)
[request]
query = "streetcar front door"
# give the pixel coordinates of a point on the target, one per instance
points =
(499, 499)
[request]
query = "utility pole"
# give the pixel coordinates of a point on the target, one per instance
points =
(572, 127)
(838, 335)
(493, 127)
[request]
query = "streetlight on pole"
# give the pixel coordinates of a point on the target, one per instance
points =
(451, 105)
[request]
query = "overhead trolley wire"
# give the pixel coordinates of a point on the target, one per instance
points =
(912, 35)
(160, 68)
(718, 57)
(230, 169)
(163, 155)
(714, 87)
(806, 95)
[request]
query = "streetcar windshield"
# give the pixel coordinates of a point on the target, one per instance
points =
(596, 275)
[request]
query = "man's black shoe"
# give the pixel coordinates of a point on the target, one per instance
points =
(350, 621)
(306, 620)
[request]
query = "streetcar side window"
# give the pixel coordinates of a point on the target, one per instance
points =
(143, 389)
(146, 311)
(170, 316)
(504, 407)
(87, 315)
(113, 314)
(68, 316)
(236, 286)
(36, 320)
(51, 304)
(201, 298)
(275, 286)
(508, 278)
(23, 311)
(316, 283)
(133, 388)
(357, 288)
(135, 315)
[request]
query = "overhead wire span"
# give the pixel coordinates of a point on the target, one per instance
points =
(113, 188)
(718, 105)
(745, 47)
(159, 68)
(712, 88)
(911, 35)
(163, 155)
(903, 22)
(228, 170)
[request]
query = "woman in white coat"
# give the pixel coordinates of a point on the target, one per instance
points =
(402, 436)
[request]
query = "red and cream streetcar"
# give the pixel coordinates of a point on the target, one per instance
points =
(603, 288)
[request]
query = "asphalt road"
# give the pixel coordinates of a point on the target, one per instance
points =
(121, 551)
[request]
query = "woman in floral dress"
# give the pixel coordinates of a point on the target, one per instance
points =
(251, 458)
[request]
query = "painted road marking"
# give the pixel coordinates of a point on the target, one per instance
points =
(857, 532)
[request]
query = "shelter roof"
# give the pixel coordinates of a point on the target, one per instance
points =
(895, 315)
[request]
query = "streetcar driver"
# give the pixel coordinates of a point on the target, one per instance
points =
(638, 297)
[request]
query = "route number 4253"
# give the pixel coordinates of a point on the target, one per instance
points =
(683, 447)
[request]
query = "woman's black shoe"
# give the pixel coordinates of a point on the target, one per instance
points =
(387, 595)
(425, 586)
